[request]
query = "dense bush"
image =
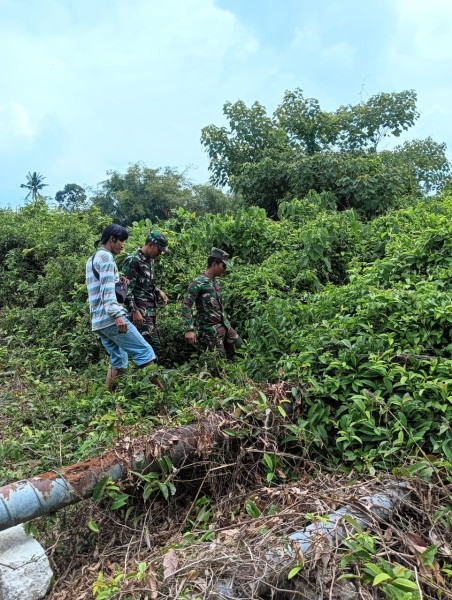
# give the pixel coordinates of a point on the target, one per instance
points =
(355, 316)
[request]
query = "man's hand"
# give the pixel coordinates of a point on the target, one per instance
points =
(123, 279)
(121, 325)
(190, 337)
(137, 319)
(164, 298)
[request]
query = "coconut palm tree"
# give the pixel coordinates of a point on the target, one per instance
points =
(34, 185)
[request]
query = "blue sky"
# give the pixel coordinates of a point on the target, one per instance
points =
(93, 85)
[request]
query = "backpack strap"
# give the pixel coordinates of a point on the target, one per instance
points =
(95, 271)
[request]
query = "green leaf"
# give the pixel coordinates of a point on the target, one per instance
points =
(100, 488)
(373, 568)
(119, 501)
(268, 461)
(252, 509)
(92, 525)
(294, 571)
(429, 554)
(405, 584)
(381, 577)
(353, 522)
(263, 396)
(164, 490)
(282, 411)
(129, 510)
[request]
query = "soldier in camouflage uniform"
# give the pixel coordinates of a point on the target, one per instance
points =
(141, 302)
(214, 329)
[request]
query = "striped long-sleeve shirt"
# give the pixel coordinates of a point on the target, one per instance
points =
(103, 306)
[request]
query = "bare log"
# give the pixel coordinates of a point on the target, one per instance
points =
(38, 496)
(315, 539)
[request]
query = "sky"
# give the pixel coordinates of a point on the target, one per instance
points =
(96, 85)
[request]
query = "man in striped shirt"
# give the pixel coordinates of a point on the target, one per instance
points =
(118, 335)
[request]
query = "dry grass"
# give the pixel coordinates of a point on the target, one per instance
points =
(239, 546)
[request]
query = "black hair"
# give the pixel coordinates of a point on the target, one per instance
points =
(213, 259)
(117, 231)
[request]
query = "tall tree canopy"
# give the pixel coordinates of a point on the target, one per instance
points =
(71, 197)
(34, 184)
(145, 193)
(302, 148)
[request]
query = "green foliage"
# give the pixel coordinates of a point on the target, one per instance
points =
(107, 487)
(71, 197)
(145, 193)
(355, 316)
(104, 588)
(301, 148)
(394, 581)
(350, 128)
(42, 278)
(348, 312)
(34, 185)
(154, 482)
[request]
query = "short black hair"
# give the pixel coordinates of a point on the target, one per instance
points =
(213, 259)
(117, 231)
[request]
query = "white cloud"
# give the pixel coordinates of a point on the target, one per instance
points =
(90, 86)
(111, 82)
(308, 40)
(15, 127)
(14, 117)
(428, 25)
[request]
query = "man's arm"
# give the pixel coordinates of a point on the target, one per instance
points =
(107, 278)
(163, 296)
(130, 270)
(226, 322)
(187, 315)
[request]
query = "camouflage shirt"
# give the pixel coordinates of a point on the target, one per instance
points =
(206, 294)
(139, 270)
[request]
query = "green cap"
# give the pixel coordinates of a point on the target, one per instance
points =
(222, 255)
(158, 238)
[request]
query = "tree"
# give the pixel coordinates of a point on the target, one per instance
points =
(71, 197)
(34, 185)
(141, 193)
(145, 193)
(301, 148)
(426, 161)
(209, 199)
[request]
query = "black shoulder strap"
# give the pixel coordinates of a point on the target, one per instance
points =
(95, 271)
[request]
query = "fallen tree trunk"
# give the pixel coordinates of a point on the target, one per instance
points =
(27, 499)
(313, 542)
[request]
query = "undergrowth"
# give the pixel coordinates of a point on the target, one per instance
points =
(345, 375)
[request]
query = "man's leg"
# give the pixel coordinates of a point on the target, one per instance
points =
(151, 333)
(118, 356)
(111, 376)
(212, 338)
(232, 342)
(133, 343)
(155, 380)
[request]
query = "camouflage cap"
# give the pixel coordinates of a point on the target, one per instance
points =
(159, 239)
(222, 255)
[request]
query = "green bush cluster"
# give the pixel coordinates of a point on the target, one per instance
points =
(42, 278)
(355, 315)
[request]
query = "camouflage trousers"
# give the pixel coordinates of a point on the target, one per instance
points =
(149, 329)
(220, 338)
